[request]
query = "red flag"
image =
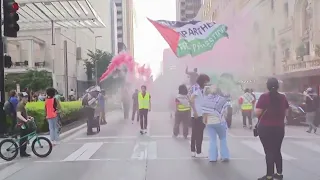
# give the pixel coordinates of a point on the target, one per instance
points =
(171, 36)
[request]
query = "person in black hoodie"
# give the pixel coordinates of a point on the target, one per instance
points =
(311, 101)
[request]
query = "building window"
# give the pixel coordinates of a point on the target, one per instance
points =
(272, 5)
(286, 9)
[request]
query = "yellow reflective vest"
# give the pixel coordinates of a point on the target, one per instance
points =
(247, 102)
(183, 108)
(144, 102)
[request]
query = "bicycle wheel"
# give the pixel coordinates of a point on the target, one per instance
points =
(8, 146)
(39, 144)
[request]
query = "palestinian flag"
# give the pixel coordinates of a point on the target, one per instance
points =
(193, 37)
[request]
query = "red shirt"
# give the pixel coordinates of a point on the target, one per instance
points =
(268, 116)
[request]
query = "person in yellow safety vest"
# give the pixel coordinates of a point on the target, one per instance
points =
(246, 101)
(183, 112)
(144, 101)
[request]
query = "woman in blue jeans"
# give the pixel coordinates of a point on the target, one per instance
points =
(215, 111)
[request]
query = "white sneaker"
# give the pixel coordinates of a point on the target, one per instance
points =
(201, 155)
(193, 154)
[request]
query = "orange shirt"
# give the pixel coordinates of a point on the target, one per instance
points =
(50, 108)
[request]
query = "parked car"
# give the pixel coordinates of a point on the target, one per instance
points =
(296, 114)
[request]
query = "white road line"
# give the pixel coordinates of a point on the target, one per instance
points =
(84, 152)
(152, 150)
(257, 146)
(180, 158)
(92, 148)
(107, 137)
(286, 137)
(10, 170)
(140, 151)
(309, 145)
(77, 153)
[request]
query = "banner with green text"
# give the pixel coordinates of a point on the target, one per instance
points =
(193, 37)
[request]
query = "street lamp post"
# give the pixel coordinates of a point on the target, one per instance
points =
(96, 62)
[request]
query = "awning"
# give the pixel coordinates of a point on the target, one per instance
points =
(40, 14)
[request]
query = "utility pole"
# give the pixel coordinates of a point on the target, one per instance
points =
(96, 61)
(3, 123)
(10, 29)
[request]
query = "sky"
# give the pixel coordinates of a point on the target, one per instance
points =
(148, 43)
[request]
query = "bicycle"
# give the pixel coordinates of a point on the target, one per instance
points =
(14, 147)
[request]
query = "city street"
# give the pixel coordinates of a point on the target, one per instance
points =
(119, 152)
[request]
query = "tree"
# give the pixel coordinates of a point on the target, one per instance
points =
(102, 58)
(32, 79)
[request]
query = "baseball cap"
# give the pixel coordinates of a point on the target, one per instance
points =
(24, 94)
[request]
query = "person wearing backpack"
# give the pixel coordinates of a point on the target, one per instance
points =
(10, 108)
(51, 109)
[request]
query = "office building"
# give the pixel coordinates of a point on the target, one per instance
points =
(187, 9)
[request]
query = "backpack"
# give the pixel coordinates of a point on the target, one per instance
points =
(85, 100)
(8, 107)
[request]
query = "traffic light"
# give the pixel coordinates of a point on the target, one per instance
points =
(7, 61)
(10, 18)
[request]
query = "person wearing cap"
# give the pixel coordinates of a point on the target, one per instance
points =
(271, 110)
(23, 118)
(311, 101)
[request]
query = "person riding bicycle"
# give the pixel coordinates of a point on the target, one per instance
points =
(23, 118)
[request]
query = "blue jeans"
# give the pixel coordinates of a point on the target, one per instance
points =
(221, 131)
(53, 129)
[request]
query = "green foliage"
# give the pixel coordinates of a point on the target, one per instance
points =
(102, 58)
(37, 110)
(32, 79)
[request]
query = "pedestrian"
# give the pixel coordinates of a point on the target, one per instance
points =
(271, 110)
(52, 107)
(10, 108)
(144, 101)
(215, 111)
(135, 105)
(311, 101)
(183, 112)
(89, 102)
(23, 118)
(193, 76)
(102, 108)
(198, 125)
(246, 101)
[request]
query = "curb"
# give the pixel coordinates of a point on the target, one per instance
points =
(76, 129)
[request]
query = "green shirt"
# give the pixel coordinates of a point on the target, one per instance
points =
(22, 108)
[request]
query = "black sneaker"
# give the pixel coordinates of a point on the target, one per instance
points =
(265, 178)
(141, 131)
(315, 130)
(25, 155)
(278, 176)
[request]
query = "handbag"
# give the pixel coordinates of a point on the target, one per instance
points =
(255, 129)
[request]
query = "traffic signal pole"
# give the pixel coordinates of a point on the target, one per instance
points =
(3, 124)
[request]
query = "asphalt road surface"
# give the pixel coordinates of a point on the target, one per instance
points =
(119, 152)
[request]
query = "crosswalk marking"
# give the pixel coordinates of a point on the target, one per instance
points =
(257, 146)
(84, 152)
(152, 150)
(92, 148)
(140, 151)
(309, 145)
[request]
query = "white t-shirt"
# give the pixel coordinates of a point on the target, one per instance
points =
(198, 101)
